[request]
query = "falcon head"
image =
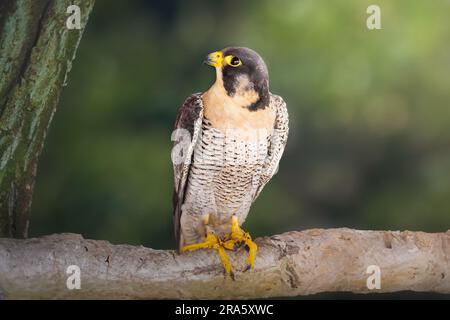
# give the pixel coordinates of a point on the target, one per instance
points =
(243, 75)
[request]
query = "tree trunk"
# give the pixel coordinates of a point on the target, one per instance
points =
(291, 264)
(36, 54)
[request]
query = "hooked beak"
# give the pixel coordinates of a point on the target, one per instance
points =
(214, 59)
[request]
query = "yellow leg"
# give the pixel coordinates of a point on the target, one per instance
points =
(239, 235)
(251, 252)
(225, 261)
(212, 242)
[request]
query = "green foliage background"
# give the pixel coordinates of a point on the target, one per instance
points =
(370, 120)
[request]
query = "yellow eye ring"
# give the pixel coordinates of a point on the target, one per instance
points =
(233, 61)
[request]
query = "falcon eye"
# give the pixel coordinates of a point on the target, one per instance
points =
(233, 61)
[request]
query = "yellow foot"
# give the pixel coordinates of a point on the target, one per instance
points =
(212, 242)
(238, 236)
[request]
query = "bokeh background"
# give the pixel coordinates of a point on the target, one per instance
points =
(369, 145)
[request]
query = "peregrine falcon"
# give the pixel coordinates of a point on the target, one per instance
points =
(228, 142)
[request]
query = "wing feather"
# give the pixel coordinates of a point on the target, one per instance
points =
(277, 142)
(188, 125)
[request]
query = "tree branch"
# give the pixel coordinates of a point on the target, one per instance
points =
(291, 264)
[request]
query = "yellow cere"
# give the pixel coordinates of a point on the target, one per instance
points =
(215, 59)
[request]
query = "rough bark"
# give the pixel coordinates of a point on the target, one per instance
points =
(36, 54)
(291, 264)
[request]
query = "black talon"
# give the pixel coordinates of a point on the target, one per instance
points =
(237, 245)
